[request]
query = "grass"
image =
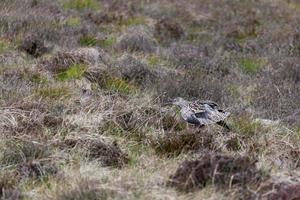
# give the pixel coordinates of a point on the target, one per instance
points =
(252, 66)
(73, 21)
(4, 46)
(107, 80)
(54, 93)
(107, 42)
(81, 4)
(88, 41)
(119, 85)
(133, 21)
(155, 60)
(74, 72)
(247, 126)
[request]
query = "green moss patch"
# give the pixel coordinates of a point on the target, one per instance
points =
(251, 65)
(133, 21)
(4, 46)
(81, 4)
(107, 42)
(74, 72)
(73, 21)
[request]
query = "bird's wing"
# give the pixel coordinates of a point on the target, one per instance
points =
(208, 102)
(196, 107)
(212, 116)
(204, 118)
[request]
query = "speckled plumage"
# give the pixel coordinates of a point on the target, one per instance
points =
(201, 113)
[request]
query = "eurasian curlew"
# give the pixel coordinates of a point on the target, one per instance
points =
(201, 113)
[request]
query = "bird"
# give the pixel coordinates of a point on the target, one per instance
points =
(201, 113)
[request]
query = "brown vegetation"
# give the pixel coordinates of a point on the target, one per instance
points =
(83, 85)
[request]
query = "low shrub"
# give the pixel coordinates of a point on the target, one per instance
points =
(136, 39)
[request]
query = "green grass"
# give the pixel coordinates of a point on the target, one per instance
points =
(251, 66)
(119, 85)
(154, 60)
(54, 93)
(133, 21)
(108, 42)
(73, 21)
(3, 46)
(248, 127)
(82, 4)
(74, 72)
(88, 41)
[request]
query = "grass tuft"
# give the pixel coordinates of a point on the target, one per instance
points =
(251, 66)
(54, 93)
(107, 42)
(88, 41)
(120, 85)
(73, 21)
(74, 72)
(133, 21)
(81, 4)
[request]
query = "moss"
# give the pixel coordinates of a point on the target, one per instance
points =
(76, 71)
(3, 46)
(53, 92)
(197, 34)
(107, 42)
(82, 4)
(157, 60)
(251, 66)
(73, 21)
(133, 21)
(88, 41)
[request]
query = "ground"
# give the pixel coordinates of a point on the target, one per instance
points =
(83, 86)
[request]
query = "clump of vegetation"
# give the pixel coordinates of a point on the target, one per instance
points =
(3, 46)
(107, 154)
(167, 30)
(88, 41)
(120, 85)
(59, 91)
(62, 61)
(136, 39)
(73, 21)
(81, 4)
(175, 143)
(133, 21)
(54, 93)
(74, 72)
(134, 71)
(107, 42)
(34, 45)
(247, 126)
(19, 151)
(251, 66)
(219, 170)
(84, 189)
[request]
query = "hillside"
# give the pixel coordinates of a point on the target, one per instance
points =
(83, 87)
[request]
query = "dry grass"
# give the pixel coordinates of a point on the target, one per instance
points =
(89, 123)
